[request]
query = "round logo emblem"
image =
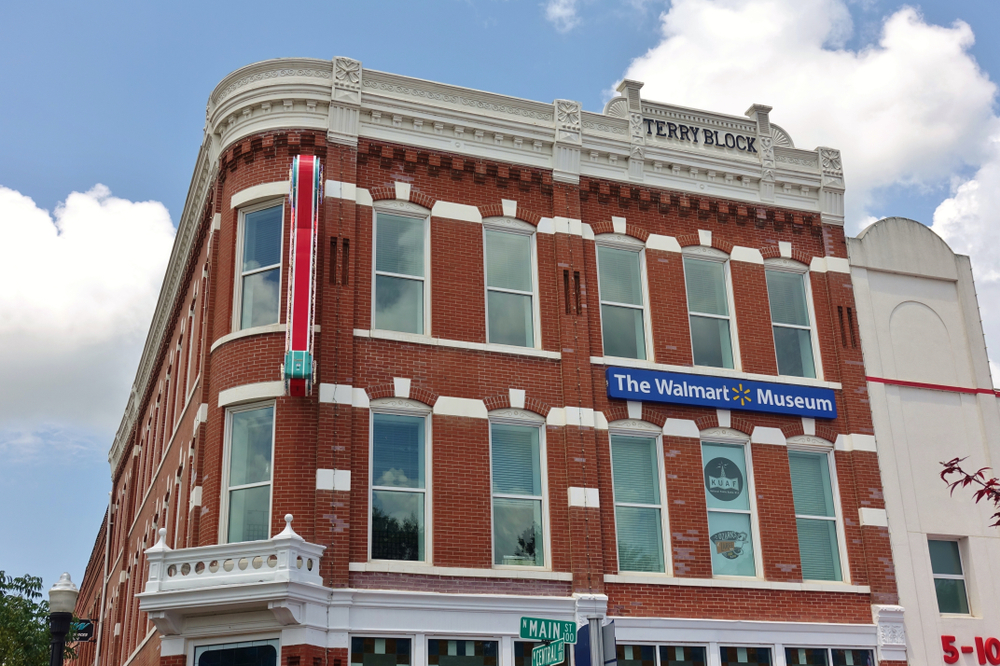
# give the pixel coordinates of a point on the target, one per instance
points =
(723, 479)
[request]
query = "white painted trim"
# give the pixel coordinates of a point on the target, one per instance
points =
(509, 207)
(855, 442)
(216, 221)
(725, 418)
(663, 243)
(716, 372)
(469, 408)
(463, 572)
(195, 499)
(262, 192)
(246, 333)
(873, 517)
(251, 392)
(584, 497)
(456, 211)
(456, 344)
(516, 397)
(681, 428)
(705, 237)
(745, 632)
(762, 435)
(333, 479)
(402, 190)
(619, 224)
(634, 408)
(753, 584)
(401, 387)
(340, 394)
(829, 264)
(747, 255)
(785, 249)
(808, 426)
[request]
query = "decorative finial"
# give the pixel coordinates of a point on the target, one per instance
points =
(288, 532)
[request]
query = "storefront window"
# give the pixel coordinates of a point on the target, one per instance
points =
(380, 651)
(636, 655)
(745, 656)
(462, 653)
(682, 655)
(248, 653)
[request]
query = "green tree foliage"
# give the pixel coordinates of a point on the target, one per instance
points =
(24, 622)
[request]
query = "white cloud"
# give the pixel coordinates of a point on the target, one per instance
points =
(908, 109)
(79, 290)
(562, 14)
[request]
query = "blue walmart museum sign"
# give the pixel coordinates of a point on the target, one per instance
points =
(720, 392)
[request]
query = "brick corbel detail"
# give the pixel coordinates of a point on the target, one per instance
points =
(635, 232)
(389, 391)
(496, 210)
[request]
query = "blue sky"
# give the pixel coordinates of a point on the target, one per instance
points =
(114, 94)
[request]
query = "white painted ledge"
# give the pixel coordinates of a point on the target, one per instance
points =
(526, 573)
(246, 333)
(260, 192)
(873, 517)
(752, 584)
(251, 392)
(455, 344)
(467, 407)
(712, 372)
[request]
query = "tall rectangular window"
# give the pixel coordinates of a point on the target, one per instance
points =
(815, 515)
(518, 538)
(260, 267)
(400, 273)
(708, 311)
(786, 293)
(251, 445)
(509, 289)
(620, 283)
(727, 495)
(399, 491)
(949, 577)
(638, 518)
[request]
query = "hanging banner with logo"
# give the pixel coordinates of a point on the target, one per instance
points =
(720, 392)
(306, 180)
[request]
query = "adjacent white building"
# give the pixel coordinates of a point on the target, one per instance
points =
(932, 399)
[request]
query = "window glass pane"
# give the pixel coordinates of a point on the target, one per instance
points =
(623, 332)
(853, 658)
(249, 511)
(517, 532)
(250, 449)
(811, 488)
(732, 545)
(248, 653)
(710, 342)
(397, 525)
(745, 655)
(945, 558)
(400, 245)
(818, 550)
(636, 655)
(260, 299)
(262, 238)
(522, 653)
(793, 349)
(508, 260)
(510, 319)
(399, 304)
(787, 295)
(951, 595)
(640, 540)
(398, 455)
(380, 651)
(682, 655)
(515, 460)
(619, 275)
(462, 653)
(636, 474)
(810, 656)
(725, 477)
(706, 286)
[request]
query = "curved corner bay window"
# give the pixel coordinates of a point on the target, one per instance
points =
(620, 285)
(727, 495)
(399, 273)
(682, 655)
(518, 538)
(744, 656)
(509, 290)
(638, 519)
(244, 653)
(398, 487)
(251, 433)
(786, 293)
(260, 267)
(815, 515)
(949, 579)
(380, 651)
(708, 308)
(462, 653)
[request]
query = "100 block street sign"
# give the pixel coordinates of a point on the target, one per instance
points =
(548, 654)
(539, 629)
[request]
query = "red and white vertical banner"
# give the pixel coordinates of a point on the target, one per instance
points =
(306, 194)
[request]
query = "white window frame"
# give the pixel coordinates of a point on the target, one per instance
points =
(514, 226)
(792, 266)
(523, 418)
(959, 542)
(730, 437)
(623, 242)
(804, 445)
(227, 463)
(237, 319)
(415, 212)
(644, 429)
(403, 407)
(714, 254)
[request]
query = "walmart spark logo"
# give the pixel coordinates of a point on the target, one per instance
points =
(742, 395)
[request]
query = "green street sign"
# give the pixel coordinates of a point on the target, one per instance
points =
(539, 629)
(549, 654)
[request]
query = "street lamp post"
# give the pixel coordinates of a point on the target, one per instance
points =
(62, 601)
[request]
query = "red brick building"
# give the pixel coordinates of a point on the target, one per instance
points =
(500, 284)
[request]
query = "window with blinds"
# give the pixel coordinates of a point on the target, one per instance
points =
(786, 294)
(815, 515)
(620, 284)
(518, 537)
(949, 577)
(399, 490)
(251, 446)
(638, 506)
(509, 289)
(399, 273)
(260, 267)
(708, 312)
